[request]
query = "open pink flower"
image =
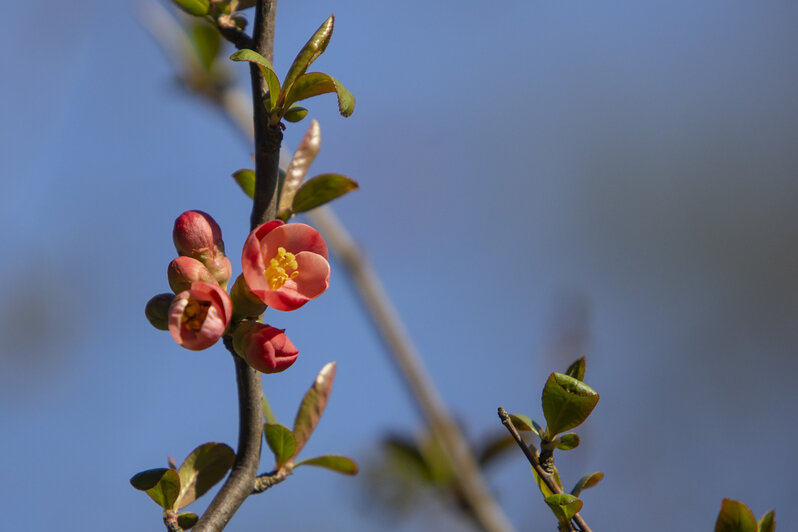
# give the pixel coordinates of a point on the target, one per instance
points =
(285, 265)
(199, 316)
(265, 348)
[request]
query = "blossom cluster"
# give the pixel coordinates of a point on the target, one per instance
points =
(284, 266)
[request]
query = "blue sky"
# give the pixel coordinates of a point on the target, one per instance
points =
(539, 180)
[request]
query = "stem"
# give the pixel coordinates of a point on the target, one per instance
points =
(239, 484)
(531, 454)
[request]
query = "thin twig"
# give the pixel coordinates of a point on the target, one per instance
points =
(531, 454)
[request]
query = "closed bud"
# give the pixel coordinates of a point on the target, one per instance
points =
(157, 311)
(265, 348)
(184, 270)
(197, 235)
(245, 304)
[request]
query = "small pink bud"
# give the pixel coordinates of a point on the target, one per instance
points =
(197, 235)
(196, 232)
(184, 270)
(157, 311)
(285, 265)
(199, 316)
(265, 348)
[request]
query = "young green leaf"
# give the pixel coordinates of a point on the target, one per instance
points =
(295, 113)
(268, 415)
(246, 180)
(197, 8)
(162, 485)
(202, 469)
(767, 523)
(577, 369)
(735, 516)
(340, 464)
(544, 489)
(281, 441)
(316, 83)
(566, 442)
(320, 190)
(312, 406)
(587, 481)
(207, 43)
(266, 69)
(525, 423)
(567, 402)
(564, 506)
(303, 157)
(309, 53)
(187, 520)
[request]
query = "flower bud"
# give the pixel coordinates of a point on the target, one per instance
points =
(196, 232)
(184, 270)
(157, 311)
(265, 348)
(199, 316)
(197, 235)
(245, 304)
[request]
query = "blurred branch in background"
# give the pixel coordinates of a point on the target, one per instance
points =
(194, 53)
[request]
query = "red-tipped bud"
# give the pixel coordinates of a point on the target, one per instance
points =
(197, 235)
(157, 311)
(184, 270)
(265, 348)
(245, 304)
(199, 316)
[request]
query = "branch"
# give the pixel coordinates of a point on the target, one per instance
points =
(531, 454)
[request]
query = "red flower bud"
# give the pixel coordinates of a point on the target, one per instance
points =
(199, 316)
(265, 348)
(184, 270)
(197, 235)
(285, 265)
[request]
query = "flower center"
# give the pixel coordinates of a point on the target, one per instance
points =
(194, 314)
(277, 273)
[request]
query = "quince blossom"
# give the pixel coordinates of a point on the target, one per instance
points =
(183, 271)
(199, 316)
(265, 348)
(197, 235)
(285, 265)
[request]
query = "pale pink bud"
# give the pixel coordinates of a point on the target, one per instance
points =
(285, 265)
(184, 270)
(265, 348)
(197, 235)
(199, 316)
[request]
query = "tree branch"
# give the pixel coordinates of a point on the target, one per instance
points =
(531, 454)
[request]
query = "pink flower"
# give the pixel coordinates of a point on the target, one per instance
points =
(184, 270)
(197, 235)
(265, 348)
(285, 265)
(199, 316)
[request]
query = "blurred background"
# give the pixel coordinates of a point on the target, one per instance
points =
(539, 181)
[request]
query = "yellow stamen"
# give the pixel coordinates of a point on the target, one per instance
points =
(277, 273)
(194, 314)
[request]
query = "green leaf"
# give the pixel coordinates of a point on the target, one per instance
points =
(544, 489)
(187, 520)
(272, 81)
(303, 157)
(202, 469)
(309, 53)
(768, 522)
(162, 485)
(566, 442)
(246, 180)
(316, 83)
(295, 113)
(735, 516)
(564, 506)
(587, 481)
(525, 423)
(567, 402)
(340, 464)
(320, 190)
(194, 7)
(407, 458)
(577, 369)
(312, 406)
(268, 415)
(281, 441)
(207, 42)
